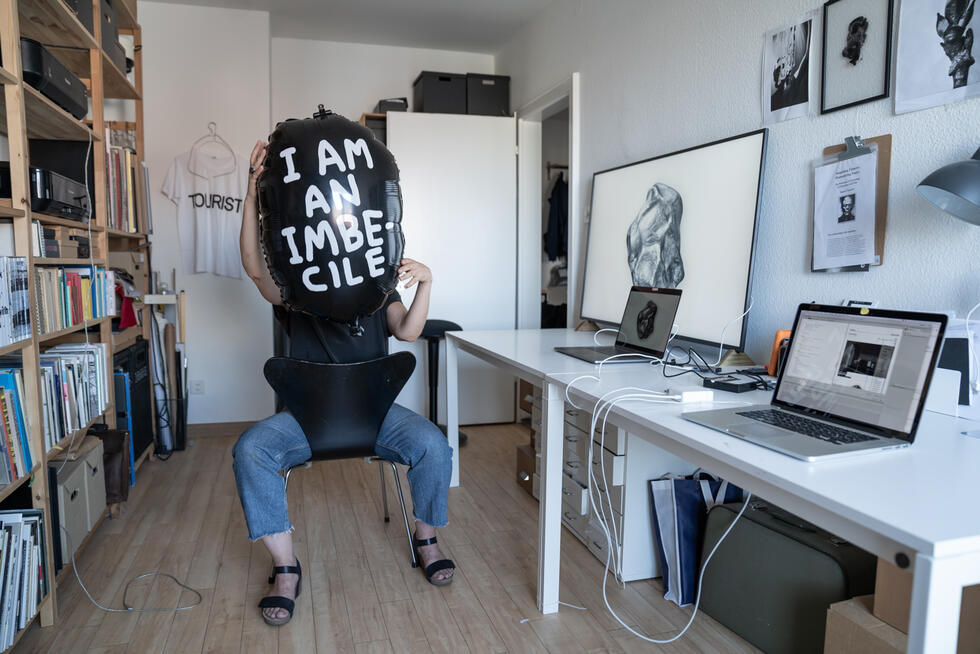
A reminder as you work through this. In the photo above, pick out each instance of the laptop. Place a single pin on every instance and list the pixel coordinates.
(854, 381)
(644, 330)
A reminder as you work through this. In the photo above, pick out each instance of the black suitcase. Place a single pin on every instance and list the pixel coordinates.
(773, 578)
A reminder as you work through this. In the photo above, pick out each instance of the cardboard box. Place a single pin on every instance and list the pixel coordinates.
(525, 467)
(893, 602)
(853, 629)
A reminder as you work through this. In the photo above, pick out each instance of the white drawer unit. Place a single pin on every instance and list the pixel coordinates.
(574, 521)
(574, 494)
(614, 440)
(606, 463)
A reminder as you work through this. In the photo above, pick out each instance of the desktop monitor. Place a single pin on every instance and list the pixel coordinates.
(682, 220)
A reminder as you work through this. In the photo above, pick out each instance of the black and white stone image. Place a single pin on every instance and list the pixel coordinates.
(646, 319)
(653, 240)
(857, 34)
(957, 39)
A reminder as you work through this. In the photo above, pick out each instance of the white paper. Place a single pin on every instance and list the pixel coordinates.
(844, 212)
(787, 55)
(936, 55)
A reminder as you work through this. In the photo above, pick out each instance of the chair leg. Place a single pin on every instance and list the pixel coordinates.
(408, 530)
(384, 492)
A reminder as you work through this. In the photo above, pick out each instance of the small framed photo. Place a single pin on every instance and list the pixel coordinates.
(857, 44)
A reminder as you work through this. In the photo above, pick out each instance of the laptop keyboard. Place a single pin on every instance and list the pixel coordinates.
(807, 427)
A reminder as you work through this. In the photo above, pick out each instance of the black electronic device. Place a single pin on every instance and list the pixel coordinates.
(68, 158)
(134, 361)
(83, 11)
(44, 72)
(51, 193)
(731, 384)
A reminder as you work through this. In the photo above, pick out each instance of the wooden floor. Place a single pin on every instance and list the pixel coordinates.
(359, 592)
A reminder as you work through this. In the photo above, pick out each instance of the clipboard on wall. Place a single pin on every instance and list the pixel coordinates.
(884, 144)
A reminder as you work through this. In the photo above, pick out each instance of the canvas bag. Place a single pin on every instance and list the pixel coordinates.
(680, 507)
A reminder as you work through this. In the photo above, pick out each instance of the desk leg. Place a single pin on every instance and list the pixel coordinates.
(936, 592)
(452, 404)
(549, 518)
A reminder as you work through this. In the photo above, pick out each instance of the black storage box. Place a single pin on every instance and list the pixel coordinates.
(117, 53)
(110, 27)
(83, 11)
(44, 72)
(487, 95)
(440, 93)
(378, 126)
(391, 104)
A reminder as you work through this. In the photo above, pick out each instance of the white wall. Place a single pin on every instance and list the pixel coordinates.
(350, 78)
(203, 64)
(661, 76)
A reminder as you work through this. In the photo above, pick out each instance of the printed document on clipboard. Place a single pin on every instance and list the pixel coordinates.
(844, 204)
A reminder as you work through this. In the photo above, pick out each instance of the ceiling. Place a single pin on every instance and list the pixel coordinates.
(467, 25)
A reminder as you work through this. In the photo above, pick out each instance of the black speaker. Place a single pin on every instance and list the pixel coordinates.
(134, 360)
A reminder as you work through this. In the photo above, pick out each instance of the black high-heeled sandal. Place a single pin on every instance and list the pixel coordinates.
(435, 566)
(279, 602)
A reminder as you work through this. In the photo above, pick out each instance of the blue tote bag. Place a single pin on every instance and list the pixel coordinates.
(680, 510)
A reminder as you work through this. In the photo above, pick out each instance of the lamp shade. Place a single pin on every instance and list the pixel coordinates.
(956, 189)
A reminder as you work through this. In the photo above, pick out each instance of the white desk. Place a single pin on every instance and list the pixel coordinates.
(920, 501)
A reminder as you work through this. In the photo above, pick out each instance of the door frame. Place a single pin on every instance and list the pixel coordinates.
(529, 165)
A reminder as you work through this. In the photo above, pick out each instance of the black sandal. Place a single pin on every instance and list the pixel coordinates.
(435, 566)
(279, 602)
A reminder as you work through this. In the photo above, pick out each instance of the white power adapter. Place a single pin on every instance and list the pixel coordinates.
(691, 394)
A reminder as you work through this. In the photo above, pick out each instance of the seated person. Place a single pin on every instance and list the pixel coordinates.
(278, 443)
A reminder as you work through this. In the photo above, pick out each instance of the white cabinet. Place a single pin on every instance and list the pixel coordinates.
(629, 463)
(459, 195)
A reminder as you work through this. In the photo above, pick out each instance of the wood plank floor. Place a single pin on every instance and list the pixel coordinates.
(360, 593)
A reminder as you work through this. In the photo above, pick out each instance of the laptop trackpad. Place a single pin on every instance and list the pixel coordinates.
(759, 430)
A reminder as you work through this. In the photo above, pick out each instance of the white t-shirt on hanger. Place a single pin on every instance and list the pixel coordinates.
(208, 186)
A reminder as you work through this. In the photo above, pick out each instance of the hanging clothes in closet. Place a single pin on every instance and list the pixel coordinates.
(208, 184)
(556, 237)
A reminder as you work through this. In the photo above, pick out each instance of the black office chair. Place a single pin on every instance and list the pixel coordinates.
(433, 332)
(340, 408)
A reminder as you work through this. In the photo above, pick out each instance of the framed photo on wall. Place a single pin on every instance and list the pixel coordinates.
(857, 44)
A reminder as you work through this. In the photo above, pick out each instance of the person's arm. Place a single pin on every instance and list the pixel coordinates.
(252, 259)
(406, 324)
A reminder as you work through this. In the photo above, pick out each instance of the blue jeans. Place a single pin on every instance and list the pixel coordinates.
(277, 443)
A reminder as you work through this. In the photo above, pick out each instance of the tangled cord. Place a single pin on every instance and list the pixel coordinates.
(128, 608)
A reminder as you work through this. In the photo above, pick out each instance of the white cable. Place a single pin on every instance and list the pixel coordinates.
(573, 606)
(130, 609)
(975, 364)
(595, 336)
(721, 341)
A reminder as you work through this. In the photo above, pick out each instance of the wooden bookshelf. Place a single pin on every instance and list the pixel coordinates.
(25, 114)
(15, 347)
(118, 233)
(65, 442)
(51, 22)
(46, 120)
(50, 336)
(17, 483)
(125, 338)
(45, 219)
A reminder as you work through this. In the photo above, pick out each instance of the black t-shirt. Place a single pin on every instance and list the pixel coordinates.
(334, 343)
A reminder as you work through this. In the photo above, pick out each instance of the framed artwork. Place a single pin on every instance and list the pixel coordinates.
(787, 85)
(681, 220)
(936, 62)
(857, 44)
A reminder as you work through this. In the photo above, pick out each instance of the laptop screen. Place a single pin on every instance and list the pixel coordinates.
(648, 318)
(865, 366)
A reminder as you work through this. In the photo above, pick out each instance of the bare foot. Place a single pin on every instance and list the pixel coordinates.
(284, 586)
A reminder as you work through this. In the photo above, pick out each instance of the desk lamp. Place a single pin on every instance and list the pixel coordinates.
(956, 189)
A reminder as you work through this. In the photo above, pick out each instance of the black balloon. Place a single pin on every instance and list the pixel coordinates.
(330, 217)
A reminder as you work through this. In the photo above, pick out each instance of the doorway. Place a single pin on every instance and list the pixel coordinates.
(548, 173)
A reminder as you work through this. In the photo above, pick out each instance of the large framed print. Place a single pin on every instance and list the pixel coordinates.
(681, 220)
(857, 44)
(936, 58)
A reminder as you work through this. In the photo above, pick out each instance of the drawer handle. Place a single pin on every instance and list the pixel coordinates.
(566, 492)
(569, 515)
(95, 471)
(572, 464)
(598, 545)
(74, 494)
(571, 439)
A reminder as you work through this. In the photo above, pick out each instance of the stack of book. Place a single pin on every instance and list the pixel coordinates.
(125, 192)
(23, 570)
(15, 309)
(67, 296)
(16, 458)
(74, 388)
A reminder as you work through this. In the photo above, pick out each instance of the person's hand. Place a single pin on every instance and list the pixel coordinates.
(413, 272)
(255, 167)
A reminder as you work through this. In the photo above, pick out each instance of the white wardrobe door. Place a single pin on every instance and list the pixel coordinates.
(459, 194)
